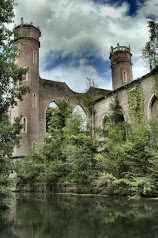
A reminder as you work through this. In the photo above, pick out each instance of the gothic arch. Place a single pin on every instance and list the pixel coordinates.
(105, 122)
(51, 104)
(153, 107)
(80, 110)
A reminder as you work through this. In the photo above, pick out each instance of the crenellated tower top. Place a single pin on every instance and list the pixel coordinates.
(120, 48)
(121, 66)
(27, 30)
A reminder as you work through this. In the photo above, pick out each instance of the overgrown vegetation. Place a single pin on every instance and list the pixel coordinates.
(128, 162)
(67, 156)
(150, 51)
(91, 94)
(136, 103)
(126, 165)
(11, 90)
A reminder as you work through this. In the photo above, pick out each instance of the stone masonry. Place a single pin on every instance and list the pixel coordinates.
(43, 92)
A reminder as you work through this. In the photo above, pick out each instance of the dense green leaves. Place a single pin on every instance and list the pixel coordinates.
(136, 103)
(150, 51)
(126, 163)
(11, 89)
(67, 156)
(132, 160)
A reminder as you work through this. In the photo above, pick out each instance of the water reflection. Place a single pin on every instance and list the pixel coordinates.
(79, 217)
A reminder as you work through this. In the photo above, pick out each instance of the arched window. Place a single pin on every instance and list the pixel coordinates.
(33, 145)
(78, 110)
(34, 105)
(105, 122)
(49, 113)
(24, 124)
(124, 76)
(34, 57)
(154, 107)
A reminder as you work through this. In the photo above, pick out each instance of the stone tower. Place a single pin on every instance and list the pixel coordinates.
(27, 41)
(42, 91)
(121, 66)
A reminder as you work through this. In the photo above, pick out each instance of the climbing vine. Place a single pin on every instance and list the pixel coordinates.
(136, 103)
(156, 86)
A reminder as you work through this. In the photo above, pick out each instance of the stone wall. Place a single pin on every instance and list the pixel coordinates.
(43, 92)
(101, 107)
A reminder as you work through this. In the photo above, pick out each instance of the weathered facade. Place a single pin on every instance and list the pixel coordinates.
(150, 101)
(43, 92)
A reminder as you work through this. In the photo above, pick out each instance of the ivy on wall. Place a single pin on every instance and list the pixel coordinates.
(136, 103)
(156, 86)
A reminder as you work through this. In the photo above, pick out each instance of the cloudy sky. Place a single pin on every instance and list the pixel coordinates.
(77, 36)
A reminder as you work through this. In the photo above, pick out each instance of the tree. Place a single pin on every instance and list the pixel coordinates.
(11, 89)
(129, 161)
(52, 152)
(91, 94)
(150, 50)
(67, 156)
(79, 149)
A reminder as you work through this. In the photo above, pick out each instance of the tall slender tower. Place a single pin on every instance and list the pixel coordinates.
(121, 66)
(27, 41)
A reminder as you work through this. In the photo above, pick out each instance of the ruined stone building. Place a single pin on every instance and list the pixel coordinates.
(43, 92)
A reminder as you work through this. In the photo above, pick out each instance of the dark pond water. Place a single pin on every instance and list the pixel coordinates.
(79, 217)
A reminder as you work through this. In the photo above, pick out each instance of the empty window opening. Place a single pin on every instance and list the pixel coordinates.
(24, 124)
(26, 76)
(34, 57)
(34, 105)
(49, 113)
(124, 76)
(79, 112)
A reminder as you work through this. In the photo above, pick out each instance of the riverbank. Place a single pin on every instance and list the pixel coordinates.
(75, 190)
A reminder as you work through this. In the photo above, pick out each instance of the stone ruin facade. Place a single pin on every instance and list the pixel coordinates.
(43, 92)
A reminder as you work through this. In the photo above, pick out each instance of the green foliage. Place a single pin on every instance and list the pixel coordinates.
(49, 114)
(91, 94)
(54, 138)
(136, 103)
(79, 152)
(132, 160)
(150, 51)
(29, 169)
(116, 115)
(11, 89)
(67, 156)
(127, 164)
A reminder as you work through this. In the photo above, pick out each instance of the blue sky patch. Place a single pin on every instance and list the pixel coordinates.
(134, 5)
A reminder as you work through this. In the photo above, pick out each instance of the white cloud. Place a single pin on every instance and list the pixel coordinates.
(139, 68)
(76, 78)
(114, 11)
(149, 8)
(71, 25)
(77, 26)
